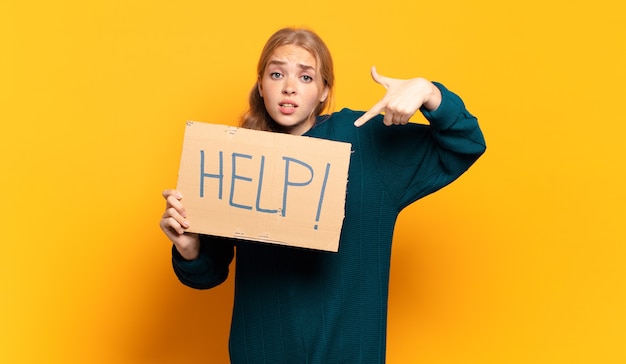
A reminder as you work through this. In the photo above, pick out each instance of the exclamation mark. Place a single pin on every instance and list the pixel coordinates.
(321, 201)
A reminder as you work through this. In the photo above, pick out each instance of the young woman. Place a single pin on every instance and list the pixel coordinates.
(303, 306)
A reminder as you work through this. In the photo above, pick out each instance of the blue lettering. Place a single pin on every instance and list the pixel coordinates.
(319, 205)
(258, 193)
(236, 177)
(204, 175)
(288, 183)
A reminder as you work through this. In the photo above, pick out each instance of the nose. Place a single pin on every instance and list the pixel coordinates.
(289, 87)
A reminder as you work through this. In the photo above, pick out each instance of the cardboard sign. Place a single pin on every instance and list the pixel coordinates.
(263, 186)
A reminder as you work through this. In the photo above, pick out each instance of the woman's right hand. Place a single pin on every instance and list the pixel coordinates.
(174, 224)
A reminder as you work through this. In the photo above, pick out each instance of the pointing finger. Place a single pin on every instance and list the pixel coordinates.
(375, 110)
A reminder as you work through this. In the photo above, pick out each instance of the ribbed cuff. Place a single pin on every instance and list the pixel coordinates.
(197, 265)
(448, 111)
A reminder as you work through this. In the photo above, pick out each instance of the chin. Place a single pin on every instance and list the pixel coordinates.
(288, 122)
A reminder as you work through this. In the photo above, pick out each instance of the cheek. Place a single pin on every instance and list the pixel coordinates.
(266, 93)
(314, 98)
(267, 103)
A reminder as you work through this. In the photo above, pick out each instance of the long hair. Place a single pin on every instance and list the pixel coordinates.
(257, 116)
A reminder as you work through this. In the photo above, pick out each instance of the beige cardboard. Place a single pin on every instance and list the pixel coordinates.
(262, 186)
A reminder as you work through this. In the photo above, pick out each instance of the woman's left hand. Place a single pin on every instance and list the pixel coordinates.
(402, 100)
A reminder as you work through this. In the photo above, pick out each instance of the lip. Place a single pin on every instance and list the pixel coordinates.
(287, 107)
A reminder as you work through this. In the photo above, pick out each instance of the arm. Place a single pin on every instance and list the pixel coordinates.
(454, 128)
(414, 159)
(209, 268)
(199, 261)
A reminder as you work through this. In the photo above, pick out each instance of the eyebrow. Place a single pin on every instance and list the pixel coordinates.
(282, 63)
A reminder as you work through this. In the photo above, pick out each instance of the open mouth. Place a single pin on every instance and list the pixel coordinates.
(287, 108)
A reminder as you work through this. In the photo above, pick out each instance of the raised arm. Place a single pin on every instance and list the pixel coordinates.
(417, 159)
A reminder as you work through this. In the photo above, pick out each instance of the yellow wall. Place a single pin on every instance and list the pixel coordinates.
(522, 260)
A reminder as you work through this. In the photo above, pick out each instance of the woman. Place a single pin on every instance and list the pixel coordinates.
(303, 306)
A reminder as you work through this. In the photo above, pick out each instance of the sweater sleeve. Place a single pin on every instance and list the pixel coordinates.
(415, 160)
(210, 268)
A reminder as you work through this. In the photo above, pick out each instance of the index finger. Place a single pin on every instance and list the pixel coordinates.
(369, 114)
(172, 199)
(168, 193)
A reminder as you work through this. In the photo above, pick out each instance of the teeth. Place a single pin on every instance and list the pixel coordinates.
(287, 105)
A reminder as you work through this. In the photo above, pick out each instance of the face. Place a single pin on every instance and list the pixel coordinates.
(292, 88)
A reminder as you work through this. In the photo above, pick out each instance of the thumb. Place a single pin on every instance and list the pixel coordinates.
(381, 80)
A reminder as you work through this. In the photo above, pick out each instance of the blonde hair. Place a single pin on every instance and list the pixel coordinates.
(257, 117)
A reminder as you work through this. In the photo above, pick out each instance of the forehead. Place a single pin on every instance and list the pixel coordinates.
(292, 53)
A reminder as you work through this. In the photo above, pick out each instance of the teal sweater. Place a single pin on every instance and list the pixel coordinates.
(296, 306)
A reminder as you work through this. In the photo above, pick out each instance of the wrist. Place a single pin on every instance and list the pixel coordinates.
(434, 99)
(189, 252)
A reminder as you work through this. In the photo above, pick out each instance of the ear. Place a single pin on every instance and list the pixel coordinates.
(324, 95)
(258, 86)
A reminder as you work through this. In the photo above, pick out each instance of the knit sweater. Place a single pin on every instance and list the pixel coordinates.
(296, 305)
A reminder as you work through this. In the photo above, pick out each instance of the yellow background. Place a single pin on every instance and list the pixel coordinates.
(522, 260)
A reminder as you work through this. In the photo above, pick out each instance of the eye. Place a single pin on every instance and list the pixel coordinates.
(306, 78)
(275, 75)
